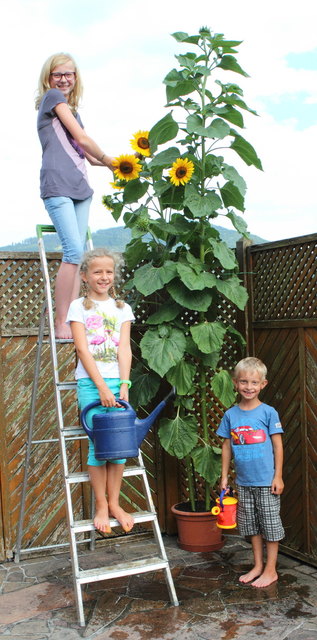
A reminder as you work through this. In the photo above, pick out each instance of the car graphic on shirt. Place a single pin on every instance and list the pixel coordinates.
(247, 435)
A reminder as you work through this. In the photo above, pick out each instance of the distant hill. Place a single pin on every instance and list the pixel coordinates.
(114, 239)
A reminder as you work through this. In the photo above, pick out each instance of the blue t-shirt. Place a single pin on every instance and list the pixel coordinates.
(250, 433)
(63, 171)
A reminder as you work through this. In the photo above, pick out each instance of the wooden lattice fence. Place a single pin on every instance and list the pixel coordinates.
(282, 320)
(21, 291)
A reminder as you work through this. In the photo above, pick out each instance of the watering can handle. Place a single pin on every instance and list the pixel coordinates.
(221, 497)
(97, 403)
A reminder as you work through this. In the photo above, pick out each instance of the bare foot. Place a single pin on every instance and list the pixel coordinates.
(126, 519)
(265, 580)
(101, 519)
(251, 575)
(63, 331)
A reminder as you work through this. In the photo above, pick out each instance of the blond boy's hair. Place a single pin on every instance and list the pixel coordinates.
(250, 364)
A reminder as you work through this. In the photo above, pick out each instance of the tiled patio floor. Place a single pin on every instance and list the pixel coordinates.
(37, 603)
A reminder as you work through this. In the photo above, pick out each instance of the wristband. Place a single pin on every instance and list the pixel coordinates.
(128, 382)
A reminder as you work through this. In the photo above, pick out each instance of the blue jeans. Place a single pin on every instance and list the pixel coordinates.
(70, 219)
(87, 392)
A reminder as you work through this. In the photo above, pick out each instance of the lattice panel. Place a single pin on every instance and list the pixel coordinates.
(284, 281)
(21, 289)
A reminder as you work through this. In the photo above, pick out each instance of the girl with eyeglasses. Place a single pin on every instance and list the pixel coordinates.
(63, 179)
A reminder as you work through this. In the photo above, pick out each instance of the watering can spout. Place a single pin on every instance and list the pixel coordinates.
(143, 426)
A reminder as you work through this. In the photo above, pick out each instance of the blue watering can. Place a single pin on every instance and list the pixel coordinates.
(118, 434)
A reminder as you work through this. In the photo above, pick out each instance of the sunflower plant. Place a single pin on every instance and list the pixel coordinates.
(170, 193)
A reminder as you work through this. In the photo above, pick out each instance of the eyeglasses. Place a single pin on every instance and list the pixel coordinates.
(68, 75)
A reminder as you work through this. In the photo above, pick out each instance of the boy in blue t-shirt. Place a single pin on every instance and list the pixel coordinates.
(252, 432)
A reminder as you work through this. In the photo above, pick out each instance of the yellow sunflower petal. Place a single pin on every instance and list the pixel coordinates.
(181, 171)
(126, 167)
(140, 143)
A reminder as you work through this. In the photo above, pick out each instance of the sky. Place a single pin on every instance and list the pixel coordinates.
(124, 50)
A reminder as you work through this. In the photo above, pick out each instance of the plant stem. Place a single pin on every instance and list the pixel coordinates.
(190, 482)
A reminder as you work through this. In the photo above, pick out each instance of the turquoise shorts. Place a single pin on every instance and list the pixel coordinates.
(87, 392)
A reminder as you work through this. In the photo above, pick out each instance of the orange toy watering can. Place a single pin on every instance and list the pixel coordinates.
(226, 511)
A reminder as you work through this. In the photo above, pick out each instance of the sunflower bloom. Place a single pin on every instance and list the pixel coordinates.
(116, 185)
(107, 202)
(140, 143)
(181, 171)
(126, 167)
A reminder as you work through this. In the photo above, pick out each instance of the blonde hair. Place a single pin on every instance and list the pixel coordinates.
(44, 80)
(102, 252)
(250, 364)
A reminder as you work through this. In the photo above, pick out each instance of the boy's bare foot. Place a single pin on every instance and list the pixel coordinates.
(63, 331)
(126, 519)
(265, 580)
(251, 575)
(101, 520)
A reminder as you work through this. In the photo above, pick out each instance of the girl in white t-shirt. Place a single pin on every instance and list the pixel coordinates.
(100, 326)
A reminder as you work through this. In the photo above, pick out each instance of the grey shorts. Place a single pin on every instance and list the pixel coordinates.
(259, 513)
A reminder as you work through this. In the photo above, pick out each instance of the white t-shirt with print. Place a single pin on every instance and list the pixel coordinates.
(102, 324)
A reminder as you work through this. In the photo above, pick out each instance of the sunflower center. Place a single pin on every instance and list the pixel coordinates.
(181, 172)
(143, 143)
(126, 167)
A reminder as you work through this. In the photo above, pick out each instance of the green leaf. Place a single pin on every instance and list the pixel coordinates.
(223, 388)
(179, 436)
(233, 115)
(182, 36)
(208, 359)
(163, 348)
(145, 385)
(134, 190)
(231, 196)
(135, 252)
(207, 462)
(201, 206)
(163, 131)
(190, 278)
(195, 300)
(181, 376)
(209, 336)
(166, 313)
(229, 63)
(233, 290)
(181, 89)
(160, 186)
(230, 173)
(223, 253)
(245, 150)
(149, 278)
(165, 158)
(217, 129)
(239, 224)
(116, 211)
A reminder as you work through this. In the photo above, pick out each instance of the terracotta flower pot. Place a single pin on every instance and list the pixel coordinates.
(197, 530)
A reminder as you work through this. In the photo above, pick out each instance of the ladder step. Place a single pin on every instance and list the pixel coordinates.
(73, 432)
(82, 476)
(121, 569)
(87, 525)
(59, 341)
(65, 386)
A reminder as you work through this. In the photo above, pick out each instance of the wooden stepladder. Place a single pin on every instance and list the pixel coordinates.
(65, 434)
